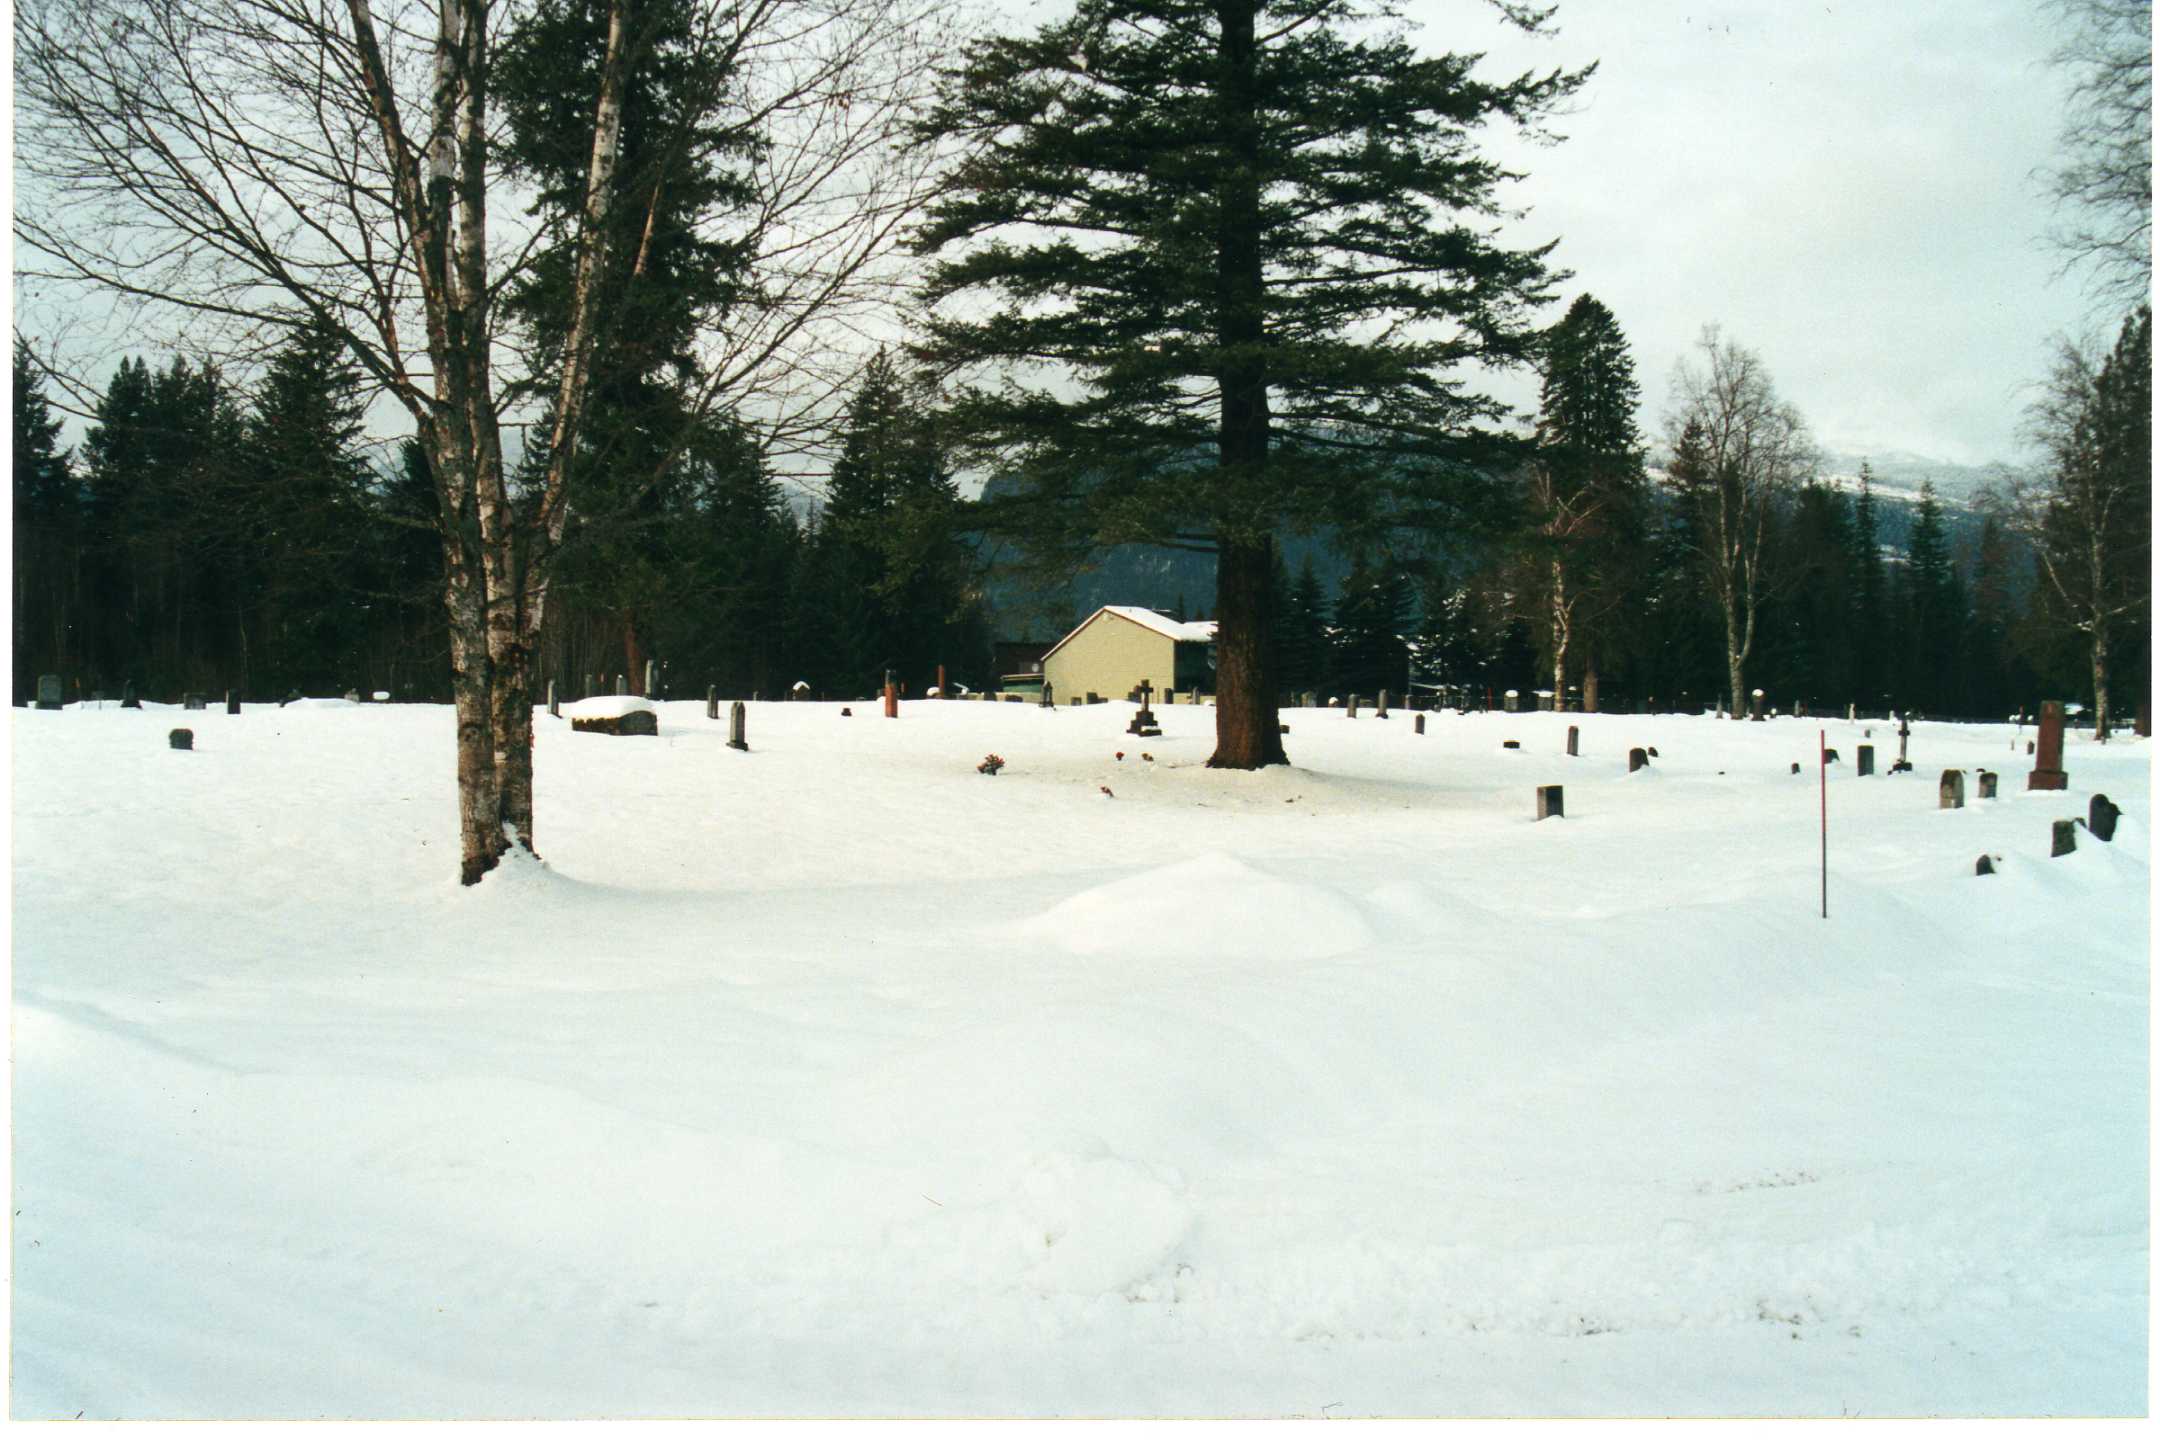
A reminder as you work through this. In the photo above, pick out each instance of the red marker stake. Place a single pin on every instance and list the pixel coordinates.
(1822, 771)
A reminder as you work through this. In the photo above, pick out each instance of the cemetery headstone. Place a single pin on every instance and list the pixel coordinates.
(1574, 736)
(622, 683)
(128, 698)
(1514, 701)
(1756, 713)
(1637, 759)
(193, 701)
(1351, 713)
(737, 724)
(49, 692)
(1864, 760)
(1093, 698)
(554, 703)
(588, 686)
(232, 703)
(1380, 710)
(1796, 767)
(1511, 745)
(2065, 839)
(1985, 865)
(1830, 756)
(1143, 720)
(634, 722)
(2047, 772)
(2100, 818)
(1419, 726)
(1950, 793)
(844, 710)
(652, 680)
(712, 702)
(1652, 752)
(1987, 785)
(181, 739)
(1549, 805)
(1852, 712)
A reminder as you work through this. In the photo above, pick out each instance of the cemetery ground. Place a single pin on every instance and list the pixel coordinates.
(836, 1077)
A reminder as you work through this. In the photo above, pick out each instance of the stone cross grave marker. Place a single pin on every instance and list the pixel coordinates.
(736, 722)
(1143, 720)
(1950, 793)
(2048, 772)
(193, 701)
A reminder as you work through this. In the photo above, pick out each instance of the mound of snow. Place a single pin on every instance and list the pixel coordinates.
(606, 706)
(1211, 906)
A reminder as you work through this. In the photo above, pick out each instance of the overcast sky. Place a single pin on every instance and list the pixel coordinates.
(1845, 188)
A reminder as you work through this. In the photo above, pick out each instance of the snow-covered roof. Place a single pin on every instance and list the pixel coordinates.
(1195, 630)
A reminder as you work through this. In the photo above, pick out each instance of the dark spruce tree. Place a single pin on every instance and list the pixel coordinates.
(1588, 491)
(1258, 234)
(48, 538)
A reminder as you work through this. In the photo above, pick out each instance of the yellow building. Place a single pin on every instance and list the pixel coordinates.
(1119, 646)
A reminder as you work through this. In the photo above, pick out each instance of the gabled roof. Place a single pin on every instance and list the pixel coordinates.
(1191, 630)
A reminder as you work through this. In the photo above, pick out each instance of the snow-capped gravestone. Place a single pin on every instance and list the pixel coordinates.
(1951, 792)
(2100, 818)
(48, 692)
(615, 715)
(2048, 772)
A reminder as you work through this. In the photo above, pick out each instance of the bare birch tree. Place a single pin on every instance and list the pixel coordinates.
(251, 167)
(2101, 181)
(1739, 452)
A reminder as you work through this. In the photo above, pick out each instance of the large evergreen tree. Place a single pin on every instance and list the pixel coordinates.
(1257, 233)
(47, 541)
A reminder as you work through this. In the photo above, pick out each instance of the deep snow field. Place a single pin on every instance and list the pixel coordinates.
(835, 1078)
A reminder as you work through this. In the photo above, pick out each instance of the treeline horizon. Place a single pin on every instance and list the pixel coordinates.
(204, 537)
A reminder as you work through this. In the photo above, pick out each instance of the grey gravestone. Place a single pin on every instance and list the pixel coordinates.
(48, 692)
(232, 703)
(1637, 759)
(2101, 817)
(622, 683)
(1514, 702)
(194, 702)
(128, 699)
(1548, 802)
(181, 739)
(1987, 785)
(712, 702)
(737, 716)
(588, 686)
(652, 680)
(1951, 792)
(1866, 760)
(554, 704)
(1985, 865)
(1574, 737)
(1380, 710)
(2065, 838)
(1352, 711)
(1308, 698)
(1852, 713)
(1418, 727)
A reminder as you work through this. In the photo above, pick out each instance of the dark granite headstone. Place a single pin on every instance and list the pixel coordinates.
(2047, 772)
(1651, 752)
(2100, 818)
(737, 719)
(128, 698)
(1985, 865)
(1418, 727)
(622, 683)
(1637, 759)
(1796, 767)
(181, 739)
(1549, 805)
(1864, 760)
(1351, 713)
(1380, 710)
(1049, 701)
(2065, 838)
(712, 702)
(554, 704)
(1830, 756)
(194, 701)
(1950, 792)
(49, 692)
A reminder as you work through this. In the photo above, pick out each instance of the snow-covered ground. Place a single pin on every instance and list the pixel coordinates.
(837, 1078)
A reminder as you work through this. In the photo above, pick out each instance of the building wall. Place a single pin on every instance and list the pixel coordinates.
(1110, 655)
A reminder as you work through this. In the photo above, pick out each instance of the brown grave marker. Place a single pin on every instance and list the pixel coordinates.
(2047, 772)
